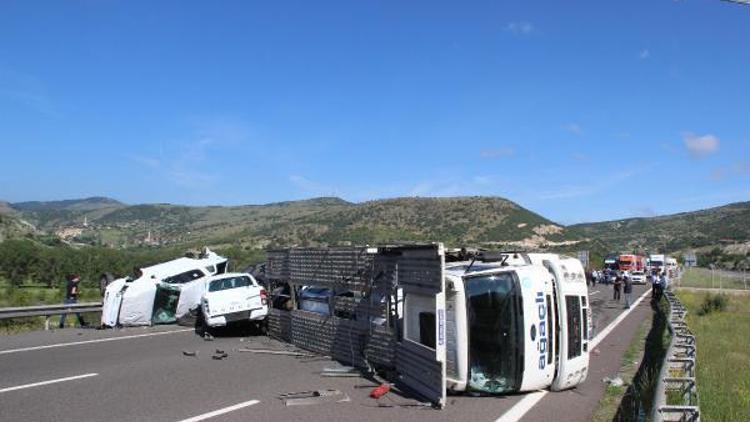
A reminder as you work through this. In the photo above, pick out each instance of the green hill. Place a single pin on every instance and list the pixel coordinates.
(12, 228)
(725, 224)
(480, 221)
(465, 220)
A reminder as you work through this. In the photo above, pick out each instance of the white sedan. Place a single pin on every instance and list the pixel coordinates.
(233, 297)
(638, 277)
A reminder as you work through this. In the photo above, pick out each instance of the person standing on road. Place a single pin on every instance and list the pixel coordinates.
(664, 281)
(72, 291)
(627, 288)
(658, 287)
(616, 286)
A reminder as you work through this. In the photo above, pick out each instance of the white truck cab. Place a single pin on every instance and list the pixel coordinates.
(515, 326)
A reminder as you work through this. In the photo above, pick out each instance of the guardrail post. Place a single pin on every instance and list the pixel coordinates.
(46, 323)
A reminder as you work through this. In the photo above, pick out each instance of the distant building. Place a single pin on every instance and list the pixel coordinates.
(689, 259)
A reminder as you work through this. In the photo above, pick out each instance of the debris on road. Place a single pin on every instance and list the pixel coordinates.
(380, 391)
(340, 371)
(313, 397)
(190, 353)
(277, 352)
(219, 355)
(207, 336)
(614, 382)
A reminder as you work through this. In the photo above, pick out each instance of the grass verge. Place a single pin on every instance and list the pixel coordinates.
(639, 370)
(22, 325)
(610, 403)
(702, 277)
(723, 356)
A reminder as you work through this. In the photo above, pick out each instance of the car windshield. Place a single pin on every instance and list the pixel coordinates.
(495, 340)
(229, 283)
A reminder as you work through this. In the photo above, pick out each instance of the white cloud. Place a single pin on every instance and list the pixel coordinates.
(520, 27)
(644, 54)
(497, 152)
(573, 128)
(701, 146)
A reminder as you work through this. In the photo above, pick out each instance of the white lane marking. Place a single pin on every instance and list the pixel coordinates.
(517, 412)
(39, 384)
(101, 340)
(599, 337)
(221, 411)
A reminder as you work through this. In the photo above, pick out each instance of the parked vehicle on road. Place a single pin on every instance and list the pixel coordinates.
(233, 297)
(656, 262)
(637, 277)
(610, 262)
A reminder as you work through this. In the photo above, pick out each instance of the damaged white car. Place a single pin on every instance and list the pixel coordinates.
(162, 293)
(233, 297)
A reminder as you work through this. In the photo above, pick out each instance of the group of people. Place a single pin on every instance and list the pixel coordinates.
(605, 276)
(659, 282)
(622, 283)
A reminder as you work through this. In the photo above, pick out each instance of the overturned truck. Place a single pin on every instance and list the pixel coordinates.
(506, 323)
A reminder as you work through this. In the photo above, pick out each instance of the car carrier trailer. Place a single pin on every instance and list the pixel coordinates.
(506, 323)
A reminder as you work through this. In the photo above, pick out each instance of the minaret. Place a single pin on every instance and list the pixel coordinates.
(85, 221)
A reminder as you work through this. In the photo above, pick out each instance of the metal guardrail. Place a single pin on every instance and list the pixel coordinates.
(676, 394)
(49, 310)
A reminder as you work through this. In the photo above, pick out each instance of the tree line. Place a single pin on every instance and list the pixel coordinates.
(25, 261)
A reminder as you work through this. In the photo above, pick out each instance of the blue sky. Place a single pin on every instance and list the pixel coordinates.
(580, 111)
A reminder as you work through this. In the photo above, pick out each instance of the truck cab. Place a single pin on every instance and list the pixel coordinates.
(516, 326)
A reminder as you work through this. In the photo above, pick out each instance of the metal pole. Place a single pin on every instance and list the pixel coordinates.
(712, 277)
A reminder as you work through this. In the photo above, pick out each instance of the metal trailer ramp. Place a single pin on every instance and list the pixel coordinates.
(374, 328)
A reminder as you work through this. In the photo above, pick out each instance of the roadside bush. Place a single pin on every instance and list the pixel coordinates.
(713, 303)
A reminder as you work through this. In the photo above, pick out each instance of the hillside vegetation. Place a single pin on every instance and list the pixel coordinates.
(726, 224)
(13, 228)
(464, 220)
(490, 222)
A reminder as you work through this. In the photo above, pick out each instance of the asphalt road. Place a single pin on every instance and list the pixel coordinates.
(141, 374)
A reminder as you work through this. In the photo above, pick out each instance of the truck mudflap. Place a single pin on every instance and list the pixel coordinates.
(421, 348)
